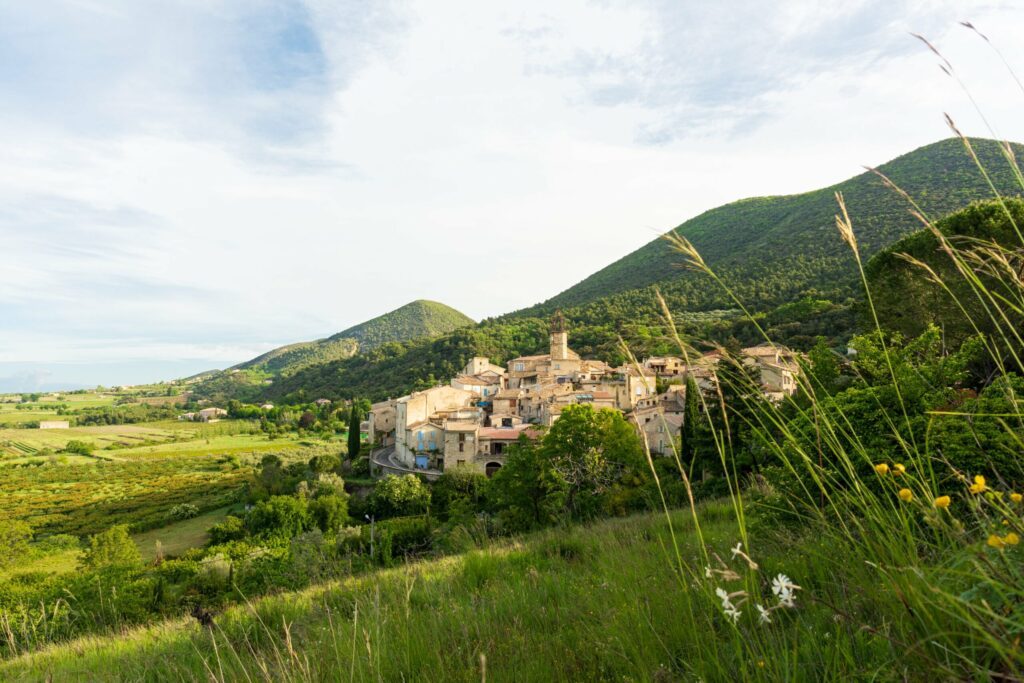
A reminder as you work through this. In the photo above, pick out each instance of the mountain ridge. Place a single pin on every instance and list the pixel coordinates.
(766, 225)
(419, 318)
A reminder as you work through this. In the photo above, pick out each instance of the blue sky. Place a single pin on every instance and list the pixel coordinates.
(187, 184)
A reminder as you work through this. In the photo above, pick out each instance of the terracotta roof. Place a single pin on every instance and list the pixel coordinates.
(508, 394)
(673, 421)
(470, 380)
(508, 433)
(460, 426)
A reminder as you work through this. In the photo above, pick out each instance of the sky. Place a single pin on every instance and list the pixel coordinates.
(186, 184)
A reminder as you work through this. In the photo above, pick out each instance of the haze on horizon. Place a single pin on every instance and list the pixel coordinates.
(185, 186)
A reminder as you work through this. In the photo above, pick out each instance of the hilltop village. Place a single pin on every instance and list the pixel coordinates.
(486, 408)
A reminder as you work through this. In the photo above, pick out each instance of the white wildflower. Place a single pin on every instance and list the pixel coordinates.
(738, 550)
(723, 595)
(707, 572)
(764, 614)
(733, 613)
(783, 583)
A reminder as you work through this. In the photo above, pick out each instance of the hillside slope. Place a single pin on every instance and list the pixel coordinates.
(908, 302)
(590, 603)
(774, 249)
(417, 319)
(420, 318)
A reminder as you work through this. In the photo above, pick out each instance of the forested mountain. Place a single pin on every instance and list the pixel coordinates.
(908, 298)
(417, 319)
(778, 249)
(782, 255)
(420, 318)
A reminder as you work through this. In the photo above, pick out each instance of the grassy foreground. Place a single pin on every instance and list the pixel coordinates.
(587, 603)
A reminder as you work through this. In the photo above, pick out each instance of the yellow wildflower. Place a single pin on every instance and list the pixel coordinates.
(906, 495)
(979, 484)
(1011, 539)
(996, 542)
(942, 502)
(1016, 497)
(898, 468)
(882, 468)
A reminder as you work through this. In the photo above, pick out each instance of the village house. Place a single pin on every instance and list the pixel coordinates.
(660, 418)
(420, 421)
(204, 415)
(211, 414)
(665, 366)
(779, 369)
(381, 423)
(661, 432)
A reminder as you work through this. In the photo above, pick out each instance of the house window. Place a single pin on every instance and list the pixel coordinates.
(520, 367)
(462, 447)
(460, 463)
(506, 422)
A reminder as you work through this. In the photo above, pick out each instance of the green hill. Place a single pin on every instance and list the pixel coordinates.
(420, 318)
(417, 319)
(779, 249)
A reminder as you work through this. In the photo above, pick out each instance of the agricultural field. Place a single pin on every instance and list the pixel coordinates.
(174, 539)
(15, 413)
(87, 498)
(134, 475)
(177, 537)
(25, 443)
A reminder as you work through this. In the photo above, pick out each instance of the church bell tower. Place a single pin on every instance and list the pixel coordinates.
(559, 338)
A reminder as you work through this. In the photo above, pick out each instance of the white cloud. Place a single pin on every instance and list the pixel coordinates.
(207, 179)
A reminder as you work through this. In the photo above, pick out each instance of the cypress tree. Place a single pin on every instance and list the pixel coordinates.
(691, 417)
(354, 442)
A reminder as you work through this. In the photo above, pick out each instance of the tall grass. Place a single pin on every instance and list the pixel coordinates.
(935, 546)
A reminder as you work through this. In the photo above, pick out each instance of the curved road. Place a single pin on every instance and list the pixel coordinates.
(385, 460)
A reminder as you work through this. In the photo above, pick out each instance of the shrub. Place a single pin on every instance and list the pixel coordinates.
(329, 512)
(231, 529)
(397, 496)
(111, 548)
(321, 464)
(14, 538)
(79, 447)
(408, 534)
(279, 517)
(183, 511)
(328, 484)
